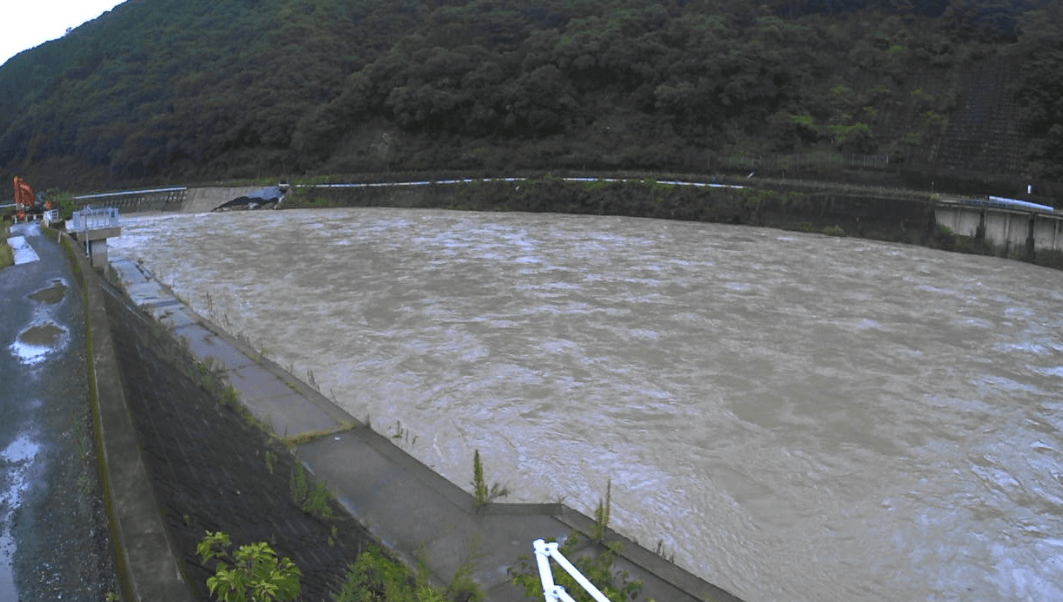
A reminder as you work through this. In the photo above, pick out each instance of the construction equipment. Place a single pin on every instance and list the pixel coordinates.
(27, 205)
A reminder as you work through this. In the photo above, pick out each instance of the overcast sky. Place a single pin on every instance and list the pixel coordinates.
(30, 23)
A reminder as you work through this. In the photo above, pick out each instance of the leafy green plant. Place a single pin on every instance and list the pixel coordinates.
(297, 484)
(312, 500)
(251, 574)
(376, 578)
(482, 494)
(7, 256)
(317, 502)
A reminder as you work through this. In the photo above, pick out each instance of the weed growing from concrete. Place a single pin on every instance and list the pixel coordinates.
(663, 553)
(375, 576)
(482, 495)
(312, 500)
(403, 434)
(297, 484)
(317, 503)
(601, 514)
(270, 459)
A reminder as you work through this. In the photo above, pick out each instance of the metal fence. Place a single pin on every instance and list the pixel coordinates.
(786, 161)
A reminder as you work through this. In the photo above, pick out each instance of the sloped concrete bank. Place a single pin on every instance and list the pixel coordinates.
(414, 512)
(146, 566)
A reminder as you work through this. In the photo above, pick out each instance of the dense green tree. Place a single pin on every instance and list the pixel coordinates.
(156, 89)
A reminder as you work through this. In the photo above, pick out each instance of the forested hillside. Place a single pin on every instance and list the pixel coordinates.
(175, 90)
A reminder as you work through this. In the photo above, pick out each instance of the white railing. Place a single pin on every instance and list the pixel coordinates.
(551, 591)
(94, 219)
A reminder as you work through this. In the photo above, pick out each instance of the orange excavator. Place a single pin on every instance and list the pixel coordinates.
(26, 205)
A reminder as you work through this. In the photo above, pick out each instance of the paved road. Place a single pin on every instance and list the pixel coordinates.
(54, 542)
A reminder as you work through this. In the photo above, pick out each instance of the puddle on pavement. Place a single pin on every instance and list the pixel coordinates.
(36, 342)
(23, 252)
(13, 461)
(52, 295)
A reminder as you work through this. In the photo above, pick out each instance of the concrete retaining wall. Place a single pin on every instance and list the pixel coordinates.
(1003, 228)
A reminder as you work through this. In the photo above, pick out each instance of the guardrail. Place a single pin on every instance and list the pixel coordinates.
(551, 591)
(149, 199)
(94, 219)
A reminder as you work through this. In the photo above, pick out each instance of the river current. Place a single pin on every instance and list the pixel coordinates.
(792, 416)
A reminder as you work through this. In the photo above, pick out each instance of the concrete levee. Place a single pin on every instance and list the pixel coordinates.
(144, 559)
(414, 512)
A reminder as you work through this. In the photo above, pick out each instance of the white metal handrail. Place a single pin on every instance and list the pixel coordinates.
(92, 219)
(551, 591)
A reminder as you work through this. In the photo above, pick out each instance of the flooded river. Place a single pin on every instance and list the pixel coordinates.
(792, 416)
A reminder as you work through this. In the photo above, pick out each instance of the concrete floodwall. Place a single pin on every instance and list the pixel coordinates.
(1003, 228)
(1048, 234)
(135, 201)
(180, 198)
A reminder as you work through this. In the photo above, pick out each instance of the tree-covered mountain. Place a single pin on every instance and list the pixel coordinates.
(169, 90)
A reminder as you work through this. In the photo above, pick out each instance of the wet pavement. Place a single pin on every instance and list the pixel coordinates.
(54, 541)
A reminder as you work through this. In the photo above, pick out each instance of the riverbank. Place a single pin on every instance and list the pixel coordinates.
(208, 474)
(894, 216)
(872, 212)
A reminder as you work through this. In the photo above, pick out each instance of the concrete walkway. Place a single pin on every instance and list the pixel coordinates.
(411, 509)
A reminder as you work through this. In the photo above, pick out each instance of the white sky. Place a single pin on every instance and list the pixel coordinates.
(30, 23)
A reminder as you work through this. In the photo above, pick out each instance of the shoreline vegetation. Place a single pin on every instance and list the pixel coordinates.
(863, 211)
(7, 256)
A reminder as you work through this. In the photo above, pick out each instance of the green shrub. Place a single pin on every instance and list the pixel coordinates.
(376, 578)
(252, 573)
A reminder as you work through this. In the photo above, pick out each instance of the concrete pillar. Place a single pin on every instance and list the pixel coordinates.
(1030, 253)
(98, 254)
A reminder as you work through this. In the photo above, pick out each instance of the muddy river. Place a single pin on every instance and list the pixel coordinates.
(791, 416)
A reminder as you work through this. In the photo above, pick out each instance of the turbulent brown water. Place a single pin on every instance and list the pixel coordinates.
(792, 416)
